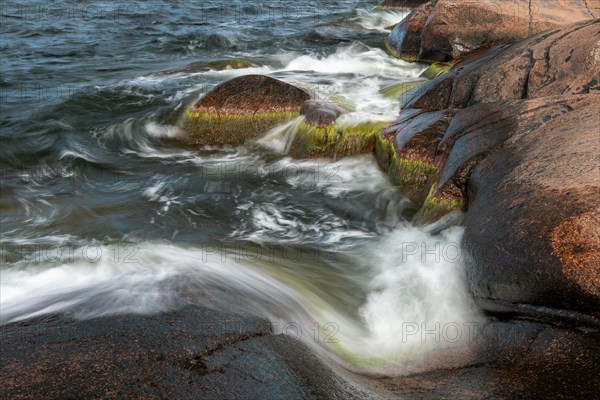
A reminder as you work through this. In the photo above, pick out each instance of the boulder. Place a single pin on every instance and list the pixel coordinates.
(320, 135)
(520, 153)
(241, 109)
(533, 224)
(444, 30)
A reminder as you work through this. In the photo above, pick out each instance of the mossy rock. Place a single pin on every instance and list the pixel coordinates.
(333, 141)
(243, 108)
(235, 63)
(435, 70)
(436, 207)
(413, 177)
(395, 90)
(359, 139)
(314, 142)
(384, 152)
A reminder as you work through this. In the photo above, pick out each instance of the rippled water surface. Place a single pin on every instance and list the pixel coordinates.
(101, 213)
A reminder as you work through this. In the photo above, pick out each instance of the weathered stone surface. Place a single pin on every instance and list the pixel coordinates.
(189, 353)
(405, 39)
(509, 359)
(241, 109)
(521, 153)
(529, 200)
(443, 30)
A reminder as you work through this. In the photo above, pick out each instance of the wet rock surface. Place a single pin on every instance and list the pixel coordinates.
(443, 30)
(319, 113)
(196, 352)
(521, 153)
(190, 353)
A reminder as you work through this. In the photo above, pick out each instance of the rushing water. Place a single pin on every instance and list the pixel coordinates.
(100, 214)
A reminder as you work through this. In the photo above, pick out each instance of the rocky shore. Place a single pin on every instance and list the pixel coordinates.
(506, 129)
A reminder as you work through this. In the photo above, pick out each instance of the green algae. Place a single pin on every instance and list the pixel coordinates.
(334, 141)
(359, 139)
(312, 142)
(395, 90)
(231, 129)
(413, 177)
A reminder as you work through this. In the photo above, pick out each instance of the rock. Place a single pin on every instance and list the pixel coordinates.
(412, 160)
(190, 353)
(509, 358)
(319, 135)
(444, 30)
(399, 4)
(235, 63)
(520, 153)
(319, 113)
(241, 109)
(404, 40)
(533, 218)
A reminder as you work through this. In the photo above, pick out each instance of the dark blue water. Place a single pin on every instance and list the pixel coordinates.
(101, 213)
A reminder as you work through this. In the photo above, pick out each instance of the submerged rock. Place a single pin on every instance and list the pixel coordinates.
(235, 63)
(443, 30)
(241, 109)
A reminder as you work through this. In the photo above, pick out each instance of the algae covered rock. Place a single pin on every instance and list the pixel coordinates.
(412, 146)
(320, 135)
(240, 109)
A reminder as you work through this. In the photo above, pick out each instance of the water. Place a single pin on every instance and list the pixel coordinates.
(101, 214)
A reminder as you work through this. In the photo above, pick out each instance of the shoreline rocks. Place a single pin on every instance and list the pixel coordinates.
(520, 154)
(445, 30)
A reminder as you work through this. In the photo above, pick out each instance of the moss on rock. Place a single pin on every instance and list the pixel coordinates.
(234, 130)
(334, 141)
(435, 207)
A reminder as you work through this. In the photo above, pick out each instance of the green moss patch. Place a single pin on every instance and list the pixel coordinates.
(436, 207)
(333, 141)
(220, 129)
